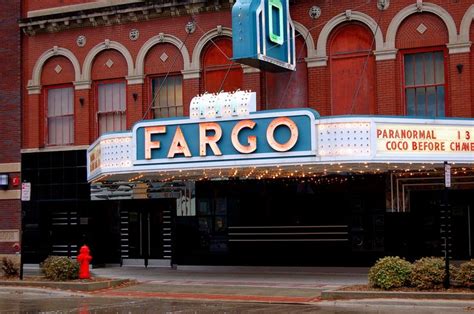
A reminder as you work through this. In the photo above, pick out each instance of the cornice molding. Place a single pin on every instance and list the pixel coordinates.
(125, 11)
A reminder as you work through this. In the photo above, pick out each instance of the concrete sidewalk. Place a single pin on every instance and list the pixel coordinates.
(263, 284)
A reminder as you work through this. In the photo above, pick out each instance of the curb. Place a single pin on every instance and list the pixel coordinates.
(77, 286)
(346, 295)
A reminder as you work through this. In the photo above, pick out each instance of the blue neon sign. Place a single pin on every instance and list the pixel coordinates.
(266, 135)
(263, 34)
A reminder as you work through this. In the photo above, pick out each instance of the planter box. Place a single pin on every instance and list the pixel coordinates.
(340, 294)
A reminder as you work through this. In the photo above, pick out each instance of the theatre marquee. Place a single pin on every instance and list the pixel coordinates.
(219, 144)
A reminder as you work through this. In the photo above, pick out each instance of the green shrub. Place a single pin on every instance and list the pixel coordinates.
(466, 274)
(60, 268)
(428, 273)
(390, 272)
(10, 268)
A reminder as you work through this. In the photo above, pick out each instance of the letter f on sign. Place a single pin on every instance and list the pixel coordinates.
(149, 144)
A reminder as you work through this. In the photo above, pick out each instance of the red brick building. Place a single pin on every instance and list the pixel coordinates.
(91, 67)
(10, 126)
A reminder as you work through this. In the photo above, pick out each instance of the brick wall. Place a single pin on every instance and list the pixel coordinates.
(10, 112)
(460, 94)
(10, 82)
(389, 96)
(471, 71)
(190, 89)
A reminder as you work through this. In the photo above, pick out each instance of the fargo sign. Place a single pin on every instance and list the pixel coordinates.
(259, 136)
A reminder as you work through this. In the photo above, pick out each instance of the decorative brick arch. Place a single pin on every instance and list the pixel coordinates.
(304, 32)
(160, 38)
(466, 25)
(348, 16)
(424, 7)
(107, 44)
(34, 85)
(202, 42)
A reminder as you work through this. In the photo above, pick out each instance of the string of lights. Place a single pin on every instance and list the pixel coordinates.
(308, 173)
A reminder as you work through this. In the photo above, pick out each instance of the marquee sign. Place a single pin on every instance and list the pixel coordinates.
(263, 34)
(395, 139)
(261, 137)
(422, 139)
(231, 136)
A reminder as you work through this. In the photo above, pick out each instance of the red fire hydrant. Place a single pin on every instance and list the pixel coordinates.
(84, 259)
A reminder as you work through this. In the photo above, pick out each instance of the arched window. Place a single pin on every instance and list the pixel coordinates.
(217, 68)
(423, 55)
(352, 72)
(289, 89)
(57, 76)
(165, 90)
(108, 73)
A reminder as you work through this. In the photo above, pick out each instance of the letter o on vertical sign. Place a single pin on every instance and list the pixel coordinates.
(271, 132)
(277, 7)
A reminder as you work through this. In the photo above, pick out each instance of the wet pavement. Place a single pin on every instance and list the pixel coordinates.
(37, 301)
(192, 289)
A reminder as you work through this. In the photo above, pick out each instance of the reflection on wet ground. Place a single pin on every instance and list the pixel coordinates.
(27, 304)
(44, 301)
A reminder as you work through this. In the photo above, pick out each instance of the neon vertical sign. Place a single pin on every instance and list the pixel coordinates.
(263, 34)
(275, 8)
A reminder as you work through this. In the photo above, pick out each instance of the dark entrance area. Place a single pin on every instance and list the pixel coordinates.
(147, 232)
(60, 217)
(417, 233)
(56, 219)
(332, 220)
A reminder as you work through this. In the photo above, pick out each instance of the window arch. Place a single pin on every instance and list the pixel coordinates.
(57, 70)
(217, 68)
(289, 89)
(435, 32)
(34, 83)
(352, 74)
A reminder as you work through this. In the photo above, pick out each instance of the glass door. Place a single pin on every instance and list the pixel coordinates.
(136, 226)
(148, 234)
